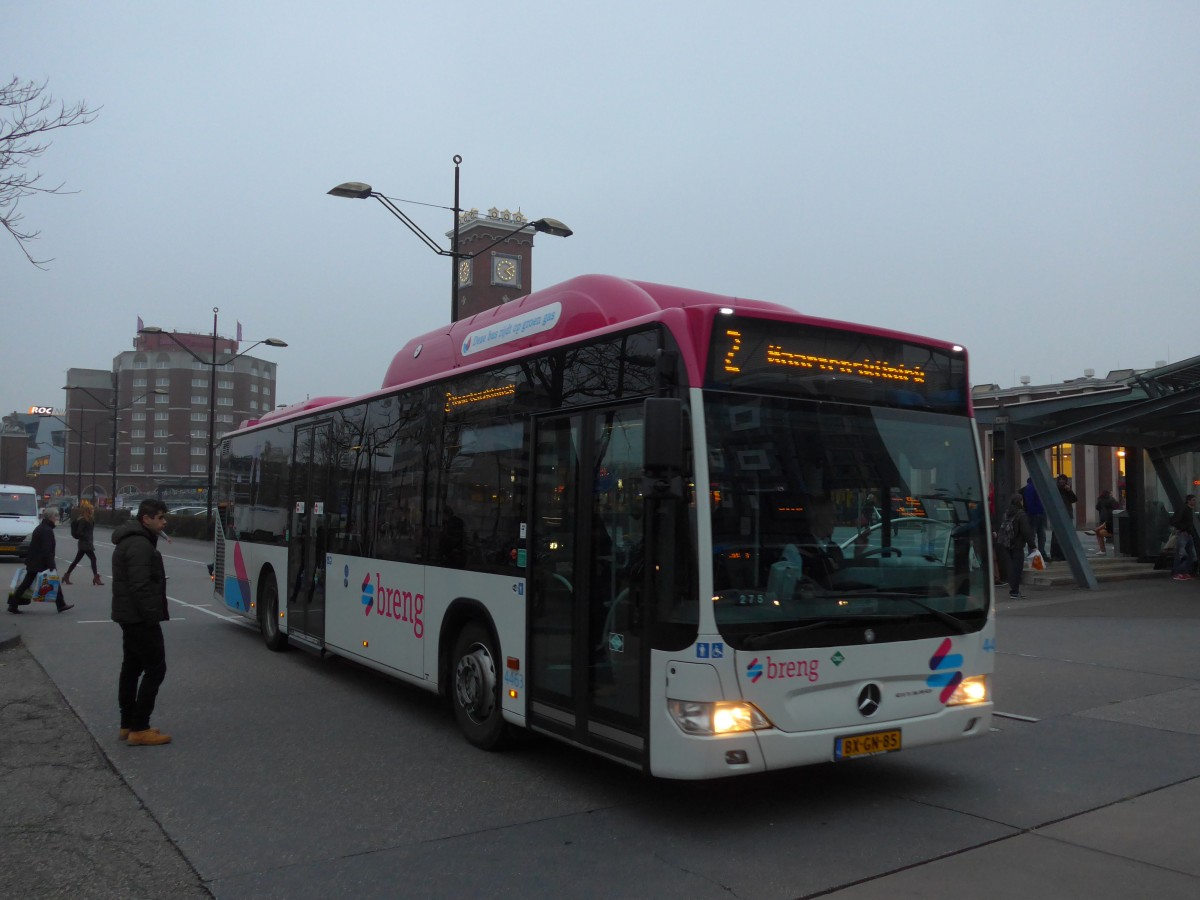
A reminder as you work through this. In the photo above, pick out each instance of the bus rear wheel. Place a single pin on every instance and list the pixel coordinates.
(476, 688)
(268, 615)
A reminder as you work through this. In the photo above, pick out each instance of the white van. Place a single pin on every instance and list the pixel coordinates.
(18, 517)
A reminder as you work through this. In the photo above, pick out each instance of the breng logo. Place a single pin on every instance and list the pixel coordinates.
(795, 668)
(394, 603)
(941, 661)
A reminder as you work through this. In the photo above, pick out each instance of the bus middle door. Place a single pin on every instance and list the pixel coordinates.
(587, 649)
(307, 543)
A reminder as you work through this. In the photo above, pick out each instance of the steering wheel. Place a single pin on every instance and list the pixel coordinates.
(879, 551)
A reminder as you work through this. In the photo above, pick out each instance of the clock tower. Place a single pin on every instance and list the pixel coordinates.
(499, 274)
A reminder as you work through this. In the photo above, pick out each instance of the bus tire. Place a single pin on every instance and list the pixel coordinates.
(475, 687)
(268, 615)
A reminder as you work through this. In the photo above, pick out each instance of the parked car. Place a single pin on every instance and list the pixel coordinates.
(188, 511)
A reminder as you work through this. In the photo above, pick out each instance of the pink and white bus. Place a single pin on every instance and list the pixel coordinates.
(696, 534)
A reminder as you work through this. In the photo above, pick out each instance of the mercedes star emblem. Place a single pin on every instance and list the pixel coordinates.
(868, 700)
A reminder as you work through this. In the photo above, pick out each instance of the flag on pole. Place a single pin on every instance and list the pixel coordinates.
(239, 337)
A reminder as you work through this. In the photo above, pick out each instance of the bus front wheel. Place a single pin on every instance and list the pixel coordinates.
(268, 615)
(476, 687)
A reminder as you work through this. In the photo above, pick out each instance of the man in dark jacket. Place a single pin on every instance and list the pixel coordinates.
(139, 605)
(1022, 536)
(40, 558)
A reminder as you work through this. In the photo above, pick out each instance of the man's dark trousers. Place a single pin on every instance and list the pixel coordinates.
(145, 659)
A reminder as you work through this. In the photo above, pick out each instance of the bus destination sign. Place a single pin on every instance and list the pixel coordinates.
(793, 358)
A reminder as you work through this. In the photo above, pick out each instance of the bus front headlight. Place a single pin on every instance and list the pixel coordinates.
(971, 690)
(720, 717)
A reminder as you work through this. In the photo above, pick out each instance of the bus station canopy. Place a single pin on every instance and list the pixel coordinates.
(1156, 410)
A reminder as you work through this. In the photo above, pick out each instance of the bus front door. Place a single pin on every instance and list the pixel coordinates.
(587, 654)
(306, 544)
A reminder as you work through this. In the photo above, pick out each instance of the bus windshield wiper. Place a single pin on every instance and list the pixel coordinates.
(761, 641)
(941, 615)
(944, 617)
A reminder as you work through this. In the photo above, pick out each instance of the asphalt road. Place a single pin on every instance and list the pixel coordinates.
(295, 776)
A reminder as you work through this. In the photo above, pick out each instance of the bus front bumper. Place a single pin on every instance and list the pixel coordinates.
(674, 754)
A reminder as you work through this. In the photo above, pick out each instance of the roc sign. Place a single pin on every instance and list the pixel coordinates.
(43, 411)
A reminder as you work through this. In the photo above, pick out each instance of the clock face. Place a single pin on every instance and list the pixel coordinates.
(464, 271)
(506, 270)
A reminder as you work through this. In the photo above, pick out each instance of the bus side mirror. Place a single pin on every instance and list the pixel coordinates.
(662, 449)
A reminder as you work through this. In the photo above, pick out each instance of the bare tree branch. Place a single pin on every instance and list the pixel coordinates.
(27, 115)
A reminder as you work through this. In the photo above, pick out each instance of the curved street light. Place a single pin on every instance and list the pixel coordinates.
(357, 190)
(212, 363)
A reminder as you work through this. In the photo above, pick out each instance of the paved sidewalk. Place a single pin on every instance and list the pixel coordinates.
(69, 824)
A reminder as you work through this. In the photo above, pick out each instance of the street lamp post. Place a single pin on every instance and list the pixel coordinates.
(95, 444)
(359, 191)
(212, 364)
(113, 409)
(79, 461)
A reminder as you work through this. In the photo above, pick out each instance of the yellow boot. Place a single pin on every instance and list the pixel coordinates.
(150, 737)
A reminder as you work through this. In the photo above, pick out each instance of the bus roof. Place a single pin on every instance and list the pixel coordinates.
(568, 312)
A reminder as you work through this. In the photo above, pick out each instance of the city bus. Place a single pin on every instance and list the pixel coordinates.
(695, 534)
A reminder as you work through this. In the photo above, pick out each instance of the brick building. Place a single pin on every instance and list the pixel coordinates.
(144, 426)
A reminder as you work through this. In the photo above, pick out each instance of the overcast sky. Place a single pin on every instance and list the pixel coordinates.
(1021, 178)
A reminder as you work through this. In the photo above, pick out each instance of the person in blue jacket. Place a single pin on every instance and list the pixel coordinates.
(1036, 513)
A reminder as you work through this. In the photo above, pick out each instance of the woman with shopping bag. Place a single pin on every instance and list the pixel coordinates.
(40, 559)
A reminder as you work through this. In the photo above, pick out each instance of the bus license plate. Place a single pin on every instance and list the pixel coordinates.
(8, 548)
(866, 744)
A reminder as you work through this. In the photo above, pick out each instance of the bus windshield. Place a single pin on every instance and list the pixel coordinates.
(838, 523)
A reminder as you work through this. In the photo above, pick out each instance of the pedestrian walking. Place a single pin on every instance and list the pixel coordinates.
(1014, 536)
(1063, 483)
(1184, 523)
(40, 558)
(1036, 512)
(139, 606)
(83, 527)
(1106, 504)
